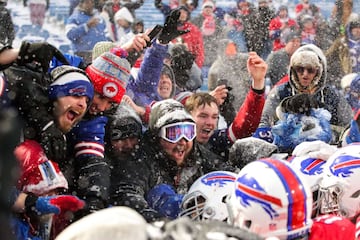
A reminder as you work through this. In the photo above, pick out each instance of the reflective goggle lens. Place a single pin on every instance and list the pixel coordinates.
(176, 131)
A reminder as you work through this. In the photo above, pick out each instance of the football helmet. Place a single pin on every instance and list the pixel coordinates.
(270, 199)
(206, 197)
(339, 187)
(311, 169)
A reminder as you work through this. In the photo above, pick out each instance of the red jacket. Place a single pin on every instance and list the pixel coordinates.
(275, 31)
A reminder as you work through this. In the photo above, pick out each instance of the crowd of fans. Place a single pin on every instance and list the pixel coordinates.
(116, 141)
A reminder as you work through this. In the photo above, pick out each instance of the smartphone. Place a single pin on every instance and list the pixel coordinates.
(156, 30)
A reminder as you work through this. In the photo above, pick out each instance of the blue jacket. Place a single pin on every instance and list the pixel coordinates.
(83, 38)
(143, 89)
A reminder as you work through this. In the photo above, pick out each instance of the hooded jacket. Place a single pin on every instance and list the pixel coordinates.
(328, 97)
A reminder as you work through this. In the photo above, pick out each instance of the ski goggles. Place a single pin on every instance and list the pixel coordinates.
(174, 132)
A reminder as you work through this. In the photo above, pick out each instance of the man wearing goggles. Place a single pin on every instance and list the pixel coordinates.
(165, 165)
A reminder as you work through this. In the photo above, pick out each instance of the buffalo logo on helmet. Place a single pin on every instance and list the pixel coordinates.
(249, 190)
(343, 165)
(217, 178)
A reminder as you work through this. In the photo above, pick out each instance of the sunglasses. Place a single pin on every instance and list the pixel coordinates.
(301, 70)
(176, 131)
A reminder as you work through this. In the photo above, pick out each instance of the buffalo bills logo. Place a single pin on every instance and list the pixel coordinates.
(80, 90)
(110, 89)
(312, 166)
(249, 190)
(217, 178)
(343, 165)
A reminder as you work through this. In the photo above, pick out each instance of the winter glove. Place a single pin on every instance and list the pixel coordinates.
(163, 199)
(314, 149)
(53, 141)
(299, 103)
(264, 133)
(73, 60)
(52, 204)
(94, 204)
(92, 130)
(40, 52)
(170, 30)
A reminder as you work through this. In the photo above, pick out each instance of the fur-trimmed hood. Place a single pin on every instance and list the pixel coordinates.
(304, 56)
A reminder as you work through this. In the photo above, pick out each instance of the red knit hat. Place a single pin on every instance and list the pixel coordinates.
(39, 175)
(109, 74)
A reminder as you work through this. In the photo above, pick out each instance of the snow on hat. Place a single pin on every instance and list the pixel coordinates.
(249, 149)
(290, 35)
(125, 223)
(39, 175)
(167, 111)
(69, 81)
(208, 3)
(109, 74)
(101, 47)
(347, 79)
(124, 13)
(125, 123)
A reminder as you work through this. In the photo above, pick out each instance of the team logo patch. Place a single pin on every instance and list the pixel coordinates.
(249, 190)
(110, 90)
(217, 178)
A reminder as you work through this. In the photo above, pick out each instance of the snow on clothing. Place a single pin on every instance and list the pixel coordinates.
(89, 172)
(7, 26)
(150, 166)
(83, 38)
(211, 30)
(234, 70)
(343, 56)
(143, 89)
(244, 124)
(276, 32)
(328, 97)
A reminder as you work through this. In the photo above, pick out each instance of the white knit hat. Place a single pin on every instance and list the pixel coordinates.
(124, 13)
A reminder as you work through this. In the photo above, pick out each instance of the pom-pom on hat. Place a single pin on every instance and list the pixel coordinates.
(39, 175)
(167, 111)
(69, 81)
(109, 74)
(101, 47)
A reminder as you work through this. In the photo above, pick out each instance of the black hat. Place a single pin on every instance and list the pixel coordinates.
(126, 128)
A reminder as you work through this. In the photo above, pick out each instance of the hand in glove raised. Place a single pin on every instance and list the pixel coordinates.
(52, 204)
(170, 30)
(40, 52)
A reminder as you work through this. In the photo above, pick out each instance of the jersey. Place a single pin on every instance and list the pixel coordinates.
(332, 227)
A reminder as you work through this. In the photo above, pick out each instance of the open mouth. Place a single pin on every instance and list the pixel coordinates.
(72, 115)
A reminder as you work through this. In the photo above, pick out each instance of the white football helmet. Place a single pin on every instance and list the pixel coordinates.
(311, 169)
(339, 188)
(206, 197)
(270, 199)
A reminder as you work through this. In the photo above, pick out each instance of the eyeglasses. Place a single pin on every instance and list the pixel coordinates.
(176, 131)
(301, 70)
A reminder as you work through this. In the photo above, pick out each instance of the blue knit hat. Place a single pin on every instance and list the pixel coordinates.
(70, 81)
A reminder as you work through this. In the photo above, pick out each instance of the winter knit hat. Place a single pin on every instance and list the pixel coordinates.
(39, 175)
(124, 13)
(109, 74)
(124, 123)
(167, 111)
(70, 81)
(102, 47)
(208, 3)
